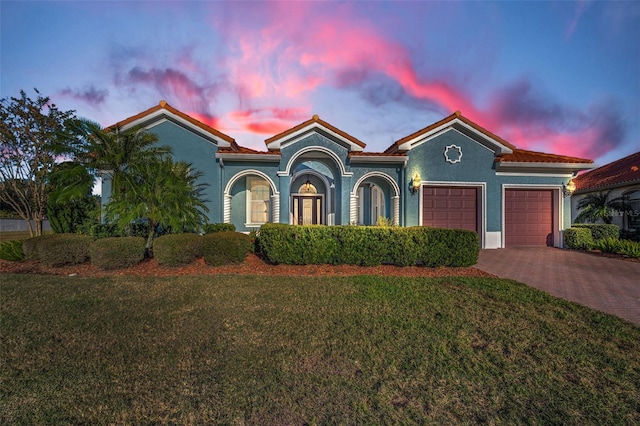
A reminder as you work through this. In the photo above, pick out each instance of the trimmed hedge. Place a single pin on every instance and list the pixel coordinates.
(12, 250)
(211, 228)
(600, 231)
(117, 252)
(578, 238)
(177, 249)
(224, 248)
(58, 249)
(368, 245)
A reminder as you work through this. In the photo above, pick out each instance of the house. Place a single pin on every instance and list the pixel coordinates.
(622, 179)
(452, 174)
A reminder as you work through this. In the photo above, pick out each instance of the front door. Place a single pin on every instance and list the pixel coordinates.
(307, 210)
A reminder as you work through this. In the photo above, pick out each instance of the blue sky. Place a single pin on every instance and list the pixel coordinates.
(557, 76)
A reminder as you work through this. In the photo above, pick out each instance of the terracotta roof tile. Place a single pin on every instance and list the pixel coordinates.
(625, 170)
(318, 120)
(524, 156)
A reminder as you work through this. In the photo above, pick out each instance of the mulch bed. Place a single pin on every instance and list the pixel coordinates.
(252, 265)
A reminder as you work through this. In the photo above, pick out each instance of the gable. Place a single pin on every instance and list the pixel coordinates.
(314, 125)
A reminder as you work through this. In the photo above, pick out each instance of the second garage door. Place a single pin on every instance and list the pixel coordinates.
(450, 207)
(528, 217)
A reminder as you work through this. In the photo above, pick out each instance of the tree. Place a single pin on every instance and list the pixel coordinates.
(32, 137)
(598, 206)
(163, 192)
(111, 152)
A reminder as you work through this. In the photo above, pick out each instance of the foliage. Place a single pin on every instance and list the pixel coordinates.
(578, 238)
(177, 249)
(57, 249)
(368, 246)
(71, 214)
(384, 221)
(12, 250)
(614, 245)
(630, 234)
(598, 206)
(164, 193)
(33, 132)
(210, 228)
(600, 230)
(224, 248)
(275, 350)
(117, 252)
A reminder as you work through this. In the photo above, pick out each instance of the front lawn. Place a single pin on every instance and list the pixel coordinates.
(292, 350)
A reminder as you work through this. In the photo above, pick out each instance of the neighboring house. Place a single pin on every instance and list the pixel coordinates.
(622, 178)
(452, 174)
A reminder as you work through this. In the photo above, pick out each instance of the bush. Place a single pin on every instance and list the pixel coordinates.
(117, 252)
(600, 231)
(12, 250)
(578, 238)
(368, 246)
(607, 245)
(633, 235)
(177, 249)
(630, 248)
(58, 249)
(211, 228)
(223, 248)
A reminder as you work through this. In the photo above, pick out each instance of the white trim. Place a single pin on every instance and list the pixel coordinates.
(325, 182)
(379, 159)
(313, 148)
(227, 196)
(559, 175)
(493, 240)
(294, 137)
(446, 154)
(539, 168)
(396, 189)
(498, 147)
(272, 158)
(557, 203)
(164, 112)
(249, 201)
(482, 199)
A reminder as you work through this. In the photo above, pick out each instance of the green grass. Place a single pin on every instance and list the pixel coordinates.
(276, 350)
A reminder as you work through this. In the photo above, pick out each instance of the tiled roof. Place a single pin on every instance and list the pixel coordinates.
(164, 105)
(523, 156)
(315, 119)
(623, 171)
(456, 115)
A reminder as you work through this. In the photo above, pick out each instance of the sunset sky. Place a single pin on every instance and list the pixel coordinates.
(556, 76)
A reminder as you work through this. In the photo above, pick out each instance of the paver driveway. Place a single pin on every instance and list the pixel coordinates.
(609, 285)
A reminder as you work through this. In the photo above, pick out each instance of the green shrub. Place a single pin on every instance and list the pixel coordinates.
(578, 238)
(177, 249)
(224, 248)
(368, 245)
(630, 248)
(630, 234)
(57, 249)
(211, 228)
(607, 245)
(600, 231)
(12, 250)
(117, 252)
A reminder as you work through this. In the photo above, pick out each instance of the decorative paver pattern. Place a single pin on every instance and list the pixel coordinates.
(602, 283)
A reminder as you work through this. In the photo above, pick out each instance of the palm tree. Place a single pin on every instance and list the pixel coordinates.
(598, 206)
(163, 192)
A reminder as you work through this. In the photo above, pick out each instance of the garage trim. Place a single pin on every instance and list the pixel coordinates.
(558, 209)
(482, 199)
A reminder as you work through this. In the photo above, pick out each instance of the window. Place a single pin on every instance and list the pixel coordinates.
(377, 204)
(257, 200)
(633, 211)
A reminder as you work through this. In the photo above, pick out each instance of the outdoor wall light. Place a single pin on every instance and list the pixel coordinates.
(569, 188)
(415, 183)
(307, 185)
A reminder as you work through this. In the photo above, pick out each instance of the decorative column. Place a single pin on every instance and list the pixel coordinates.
(396, 210)
(353, 210)
(227, 208)
(275, 208)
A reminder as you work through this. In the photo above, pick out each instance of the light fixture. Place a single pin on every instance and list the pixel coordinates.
(415, 183)
(307, 184)
(569, 188)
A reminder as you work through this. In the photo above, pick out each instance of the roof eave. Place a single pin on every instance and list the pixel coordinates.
(533, 167)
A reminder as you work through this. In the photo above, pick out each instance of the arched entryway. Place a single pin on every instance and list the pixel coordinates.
(375, 199)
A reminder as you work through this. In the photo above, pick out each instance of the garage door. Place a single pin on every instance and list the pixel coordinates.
(528, 217)
(450, 207)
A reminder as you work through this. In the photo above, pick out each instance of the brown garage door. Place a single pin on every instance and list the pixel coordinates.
(450, 207)
(528, 217)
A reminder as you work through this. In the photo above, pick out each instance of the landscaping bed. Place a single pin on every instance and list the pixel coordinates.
(252, 265)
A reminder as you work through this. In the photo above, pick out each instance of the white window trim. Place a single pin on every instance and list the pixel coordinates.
(249, 202)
